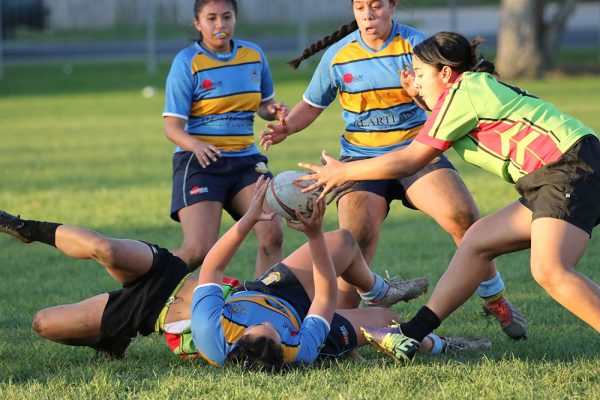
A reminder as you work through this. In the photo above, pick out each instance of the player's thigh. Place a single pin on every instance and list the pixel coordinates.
(362, 213)
(72, 321)
(200, 223)
(443, 195)
(502, 232)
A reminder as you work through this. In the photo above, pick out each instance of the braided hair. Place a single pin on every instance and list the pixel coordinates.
(324, 43)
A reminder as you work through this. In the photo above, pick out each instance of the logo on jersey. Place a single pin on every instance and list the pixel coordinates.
(254, 77)
(207, 84)
(261, 168)
(198, 190)
(271, 278)
(349, 78)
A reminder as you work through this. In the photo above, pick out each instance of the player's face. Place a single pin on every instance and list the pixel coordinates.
(216, 22)
(374, 19)
(430, 81)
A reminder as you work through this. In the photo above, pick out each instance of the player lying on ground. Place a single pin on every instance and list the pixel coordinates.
(157, 288)
(553, 158)
(289, 315)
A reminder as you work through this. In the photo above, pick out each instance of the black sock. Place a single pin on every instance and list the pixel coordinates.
(39, 231)
(421, 325)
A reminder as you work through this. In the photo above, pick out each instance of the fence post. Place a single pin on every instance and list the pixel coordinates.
(302, 35)
(151, 47)
(1, 44)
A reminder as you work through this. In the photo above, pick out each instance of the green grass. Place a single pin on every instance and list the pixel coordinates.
(85, 148)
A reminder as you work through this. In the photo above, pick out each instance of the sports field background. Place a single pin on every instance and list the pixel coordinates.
(81, 145)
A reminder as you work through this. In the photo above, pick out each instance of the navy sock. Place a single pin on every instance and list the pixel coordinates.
(44, 232)
(422, 324)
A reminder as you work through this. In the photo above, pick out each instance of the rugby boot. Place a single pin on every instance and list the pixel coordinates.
(456, 346)
(511, 320)
(400, 290)
(391, 341)
(10, 225)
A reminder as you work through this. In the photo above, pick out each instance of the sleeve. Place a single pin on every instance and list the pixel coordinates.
(207, 329)
(452, 118)
(321, 90)
(179, 89)
(267, 91)
(313, 332)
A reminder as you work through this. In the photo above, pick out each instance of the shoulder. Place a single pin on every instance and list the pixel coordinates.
(409, 33)
(341, 45)
(248, 45)
(187, 54)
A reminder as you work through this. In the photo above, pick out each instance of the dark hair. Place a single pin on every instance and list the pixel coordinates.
(260, 354)
(453, 50)
(199, 5)
(324, 43)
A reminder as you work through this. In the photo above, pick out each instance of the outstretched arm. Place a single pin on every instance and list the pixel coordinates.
(301, 116)
(271, 110)
(396, 164)
(324, 276)
(223, 251)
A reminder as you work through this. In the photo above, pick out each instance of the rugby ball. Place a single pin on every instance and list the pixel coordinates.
(284, 195)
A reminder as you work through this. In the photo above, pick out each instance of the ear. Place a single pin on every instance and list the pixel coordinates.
(197, 24)
(447, 74)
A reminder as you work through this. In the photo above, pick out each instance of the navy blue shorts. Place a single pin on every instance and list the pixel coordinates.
(395, 189)
(280, 282)
(567, 189)
(220, 181)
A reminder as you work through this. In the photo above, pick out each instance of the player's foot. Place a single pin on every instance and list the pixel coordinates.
(10, 225)
(465, 345)
(511, 320)
(391, 341)
(400, 290)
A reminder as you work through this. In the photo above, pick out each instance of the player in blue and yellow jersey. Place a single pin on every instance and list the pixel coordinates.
(213, 90)
(553, 159)
(288, 315)
(363, 66)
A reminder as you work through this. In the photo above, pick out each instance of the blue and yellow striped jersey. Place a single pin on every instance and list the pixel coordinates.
(380, 116)
(217, 324)
(218, 97)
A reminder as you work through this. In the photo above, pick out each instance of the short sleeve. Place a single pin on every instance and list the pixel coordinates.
(207, 329)
(321, 90)
(267, 90)
(313, 332)
(179, 89)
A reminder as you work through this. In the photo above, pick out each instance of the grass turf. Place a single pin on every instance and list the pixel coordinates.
(82, 146)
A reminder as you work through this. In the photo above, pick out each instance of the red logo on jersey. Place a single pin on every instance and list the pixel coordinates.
(348, 78)
(207, 84)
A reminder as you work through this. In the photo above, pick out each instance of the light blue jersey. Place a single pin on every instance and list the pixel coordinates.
(217, 324)
(219, 97)
(380, 116)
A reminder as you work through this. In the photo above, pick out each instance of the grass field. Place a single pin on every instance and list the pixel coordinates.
(83, 147)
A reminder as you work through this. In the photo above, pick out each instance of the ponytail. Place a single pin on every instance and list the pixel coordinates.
(324, 43)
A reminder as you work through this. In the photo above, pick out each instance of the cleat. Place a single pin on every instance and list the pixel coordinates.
(10, 225)
(400, 290)
(511, 320)
(391, 341)
(457, 346)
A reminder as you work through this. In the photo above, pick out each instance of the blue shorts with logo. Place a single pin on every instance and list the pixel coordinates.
(220, 181)
(395, 189)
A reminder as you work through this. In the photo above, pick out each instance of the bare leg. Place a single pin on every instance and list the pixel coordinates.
(443, 196)
(505, 231)
(123, 259)
(347, 259)
(269, 234)
(556, 247)
(72, 324)
(362, 213)
(200, 223)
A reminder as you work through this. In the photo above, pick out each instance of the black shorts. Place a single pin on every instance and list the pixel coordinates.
(568, 189)
(135, 307)
(280, 282)
(220, 181)
(395, 189)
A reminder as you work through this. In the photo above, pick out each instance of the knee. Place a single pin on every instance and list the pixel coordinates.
(460, 221)
(546, 274)
(270, 239)
(193, 256)
(41, 324)
(103, 251)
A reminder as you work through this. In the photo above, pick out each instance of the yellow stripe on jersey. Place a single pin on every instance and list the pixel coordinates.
(243, 55)
(263, 301)
(227, 143)
(380, 139)
(231, 330)
(353, 51)
(222, 105)
(374, 99)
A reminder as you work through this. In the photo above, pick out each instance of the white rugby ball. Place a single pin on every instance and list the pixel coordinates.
(285, 196)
